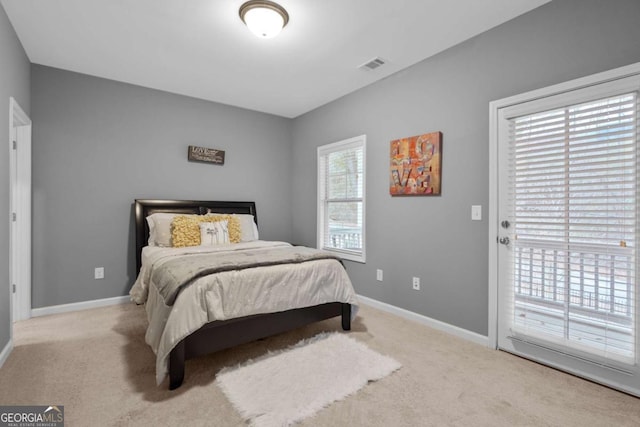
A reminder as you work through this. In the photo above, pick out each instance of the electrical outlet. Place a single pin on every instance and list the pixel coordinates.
(98, 273)
(416, 283)
(379, 275)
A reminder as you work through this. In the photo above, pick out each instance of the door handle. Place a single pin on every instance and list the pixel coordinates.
(504, 240)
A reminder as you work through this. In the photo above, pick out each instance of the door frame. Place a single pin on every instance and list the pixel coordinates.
(20, 203)
(494, 165)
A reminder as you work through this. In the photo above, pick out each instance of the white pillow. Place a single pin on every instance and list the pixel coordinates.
(256, 236)
(214, 233)
(160, 229)
(248, 227)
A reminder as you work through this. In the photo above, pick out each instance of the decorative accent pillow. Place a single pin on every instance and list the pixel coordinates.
(214, 233)
(185, 229)
(248, 227)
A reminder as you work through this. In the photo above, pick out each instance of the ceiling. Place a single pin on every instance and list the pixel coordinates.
(201, 48)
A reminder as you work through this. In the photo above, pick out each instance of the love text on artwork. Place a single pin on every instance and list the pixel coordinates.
(207, 155)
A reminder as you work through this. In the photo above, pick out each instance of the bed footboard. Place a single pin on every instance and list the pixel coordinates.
(220, 335)
(346, 317)
(176, 366)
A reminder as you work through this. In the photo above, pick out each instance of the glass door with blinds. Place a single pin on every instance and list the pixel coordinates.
(568, 258)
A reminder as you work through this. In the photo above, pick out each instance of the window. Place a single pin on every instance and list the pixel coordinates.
(341, 198)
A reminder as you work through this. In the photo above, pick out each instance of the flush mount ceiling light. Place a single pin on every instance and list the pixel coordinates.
(265, 19)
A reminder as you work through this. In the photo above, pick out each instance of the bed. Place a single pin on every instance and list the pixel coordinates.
(195, 322)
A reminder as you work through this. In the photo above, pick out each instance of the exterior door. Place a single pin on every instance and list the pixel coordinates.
(567, 292)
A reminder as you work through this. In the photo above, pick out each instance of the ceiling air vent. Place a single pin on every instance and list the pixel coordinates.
(372, 64)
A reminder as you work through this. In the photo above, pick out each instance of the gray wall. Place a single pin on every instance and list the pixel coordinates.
(100, 144)
(434, 237)
(14, 81)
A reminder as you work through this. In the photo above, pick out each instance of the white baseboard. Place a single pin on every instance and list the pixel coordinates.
(77, 306)
(433, 323)
(6, 351)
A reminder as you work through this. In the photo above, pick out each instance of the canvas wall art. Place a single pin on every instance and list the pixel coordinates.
(416, 164)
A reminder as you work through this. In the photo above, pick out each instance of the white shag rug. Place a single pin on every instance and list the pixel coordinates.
(285, 387)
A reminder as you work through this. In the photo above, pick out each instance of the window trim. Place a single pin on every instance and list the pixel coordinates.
(323, 150)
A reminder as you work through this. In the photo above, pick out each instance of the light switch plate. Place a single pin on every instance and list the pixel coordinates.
(476, 212)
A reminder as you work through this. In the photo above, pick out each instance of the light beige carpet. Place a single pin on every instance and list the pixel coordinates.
(97, 365)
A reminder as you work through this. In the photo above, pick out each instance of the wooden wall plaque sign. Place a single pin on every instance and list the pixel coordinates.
(207, 155)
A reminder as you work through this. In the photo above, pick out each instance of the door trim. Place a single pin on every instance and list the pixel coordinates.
(20, 191)
(494, 110)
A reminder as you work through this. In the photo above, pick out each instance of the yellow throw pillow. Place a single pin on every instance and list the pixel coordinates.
(185, 229)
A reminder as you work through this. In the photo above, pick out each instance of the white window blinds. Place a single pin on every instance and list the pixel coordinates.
(341, 201)
(574, 185)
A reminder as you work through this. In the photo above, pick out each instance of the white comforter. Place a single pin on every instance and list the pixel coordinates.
(232, 294)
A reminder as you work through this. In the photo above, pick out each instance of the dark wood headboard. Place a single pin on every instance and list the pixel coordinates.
(146, 207)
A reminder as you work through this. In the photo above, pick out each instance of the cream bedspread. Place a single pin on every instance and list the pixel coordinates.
(232, 294)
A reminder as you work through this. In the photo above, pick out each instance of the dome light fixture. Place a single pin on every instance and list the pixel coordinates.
(265, 19)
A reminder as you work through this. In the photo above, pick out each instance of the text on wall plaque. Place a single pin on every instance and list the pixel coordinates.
(204, 154)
